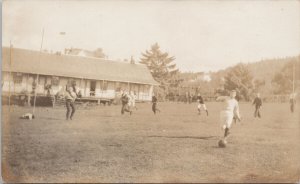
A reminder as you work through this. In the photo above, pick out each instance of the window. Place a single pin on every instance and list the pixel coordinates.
(17, 78)
(42, 80)
(55, 81)
(124, 86)
(71, 82)
(147, 88)
(104, 86)
(141, 88)
(118, 87)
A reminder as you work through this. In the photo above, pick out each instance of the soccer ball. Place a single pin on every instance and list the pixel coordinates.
(222, 143)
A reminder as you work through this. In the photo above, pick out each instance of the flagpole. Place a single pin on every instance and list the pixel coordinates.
(37, 77)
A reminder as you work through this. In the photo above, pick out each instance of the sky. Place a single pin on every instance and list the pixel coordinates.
(203, 35)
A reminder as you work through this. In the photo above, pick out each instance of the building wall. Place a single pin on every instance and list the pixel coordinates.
(110, 92)
(87, 88)
(104, 89)
(98, 89)
(5, 82)
(29, 82)
(24, 86)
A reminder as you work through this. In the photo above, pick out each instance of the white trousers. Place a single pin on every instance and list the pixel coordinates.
(202, 105)
(131, 103)
(226, 118)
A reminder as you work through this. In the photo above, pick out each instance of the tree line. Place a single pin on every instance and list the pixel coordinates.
(270, 77)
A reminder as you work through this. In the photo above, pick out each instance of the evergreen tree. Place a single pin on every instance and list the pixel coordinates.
(161, 66)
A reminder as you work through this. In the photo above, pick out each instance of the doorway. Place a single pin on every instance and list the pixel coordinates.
(93, 88)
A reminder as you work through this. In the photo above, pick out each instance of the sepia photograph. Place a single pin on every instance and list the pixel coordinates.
(150, 91)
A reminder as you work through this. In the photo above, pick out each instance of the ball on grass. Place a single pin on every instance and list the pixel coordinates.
(222, 143)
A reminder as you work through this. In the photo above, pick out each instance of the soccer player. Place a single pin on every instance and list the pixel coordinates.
(292, 102)
(154, 104)
(201, 104)
(132, 100)
(27, 116)
(229, 110)
(258, 103)
(125, 101)
(237, 97)
(70, 97)
(189, 97)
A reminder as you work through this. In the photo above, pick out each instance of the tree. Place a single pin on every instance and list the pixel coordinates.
(283, 80)
(239, 78)
(258, 84)
(161, 66)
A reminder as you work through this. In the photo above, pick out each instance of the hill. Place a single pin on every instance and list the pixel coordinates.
(263, 71)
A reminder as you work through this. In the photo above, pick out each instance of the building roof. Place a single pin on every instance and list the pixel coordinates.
(34, 62)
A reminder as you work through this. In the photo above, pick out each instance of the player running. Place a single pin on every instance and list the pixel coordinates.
(258, 103)
(201, 104)
(154, 104)
(125, 100)
(229, 110)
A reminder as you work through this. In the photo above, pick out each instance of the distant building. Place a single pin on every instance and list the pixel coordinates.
(98, 53)
(94, 78)
(194, 77)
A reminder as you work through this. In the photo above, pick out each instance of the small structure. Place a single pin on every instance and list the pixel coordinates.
(24, 71)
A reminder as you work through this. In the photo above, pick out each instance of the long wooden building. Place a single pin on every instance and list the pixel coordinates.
(26, 70)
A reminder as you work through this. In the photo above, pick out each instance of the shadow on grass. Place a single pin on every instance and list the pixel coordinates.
(50, 118)
(186, 137)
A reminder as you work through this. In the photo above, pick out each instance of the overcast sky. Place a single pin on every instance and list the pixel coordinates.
(202, 35)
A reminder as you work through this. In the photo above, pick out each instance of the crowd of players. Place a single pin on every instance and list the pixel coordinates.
(228, 114)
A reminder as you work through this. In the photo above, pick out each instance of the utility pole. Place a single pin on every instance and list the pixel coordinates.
(294, 78)
(10, 78)
(37, 77)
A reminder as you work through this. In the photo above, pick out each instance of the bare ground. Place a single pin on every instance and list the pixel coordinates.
(176, 145)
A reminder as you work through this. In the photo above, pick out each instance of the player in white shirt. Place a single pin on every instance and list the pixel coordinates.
(132, 99)
(229, 110)
(27, 116)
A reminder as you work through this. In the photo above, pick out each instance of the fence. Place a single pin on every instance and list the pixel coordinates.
(276, 98)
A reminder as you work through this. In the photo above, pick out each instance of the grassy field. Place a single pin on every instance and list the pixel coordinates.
(176, 145)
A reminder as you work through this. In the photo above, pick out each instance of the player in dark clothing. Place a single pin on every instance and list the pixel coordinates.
(154, 104)
(258, 103)
(70, 97)
(190, 97)
(292, 102)
(201, 104)
(125, 100)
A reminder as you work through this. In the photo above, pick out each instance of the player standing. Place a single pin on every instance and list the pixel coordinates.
(132, 100)
(237, 97)
(201, 104)
(70, 97)
(292, 102)
(229, 110)
(258, 103)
